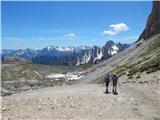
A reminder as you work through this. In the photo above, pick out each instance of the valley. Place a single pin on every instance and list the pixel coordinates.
(67, 83)
(22, 77)
(138, 96)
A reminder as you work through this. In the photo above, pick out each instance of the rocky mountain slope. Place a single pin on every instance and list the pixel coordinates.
(153, 22)
(67, 55)
(14, 60)
(141, 56)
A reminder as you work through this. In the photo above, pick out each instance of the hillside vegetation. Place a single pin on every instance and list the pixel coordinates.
(148, 61)
(86, 66)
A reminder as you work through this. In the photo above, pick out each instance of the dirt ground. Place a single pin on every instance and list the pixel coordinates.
(84, 102)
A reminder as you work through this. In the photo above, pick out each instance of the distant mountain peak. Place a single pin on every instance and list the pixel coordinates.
(68, 55)
(110, 42)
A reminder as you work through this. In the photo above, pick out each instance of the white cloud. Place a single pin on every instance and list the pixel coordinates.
(115, 29)
(120, 27)
(70, 35)
(109, 32)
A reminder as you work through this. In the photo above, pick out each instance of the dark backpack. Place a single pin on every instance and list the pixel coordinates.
(106, 77)
(115, 77)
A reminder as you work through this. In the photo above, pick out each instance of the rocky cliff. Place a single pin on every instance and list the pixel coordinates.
(153, 22)
(66, 55)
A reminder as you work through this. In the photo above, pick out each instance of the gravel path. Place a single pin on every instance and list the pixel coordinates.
(85, 102)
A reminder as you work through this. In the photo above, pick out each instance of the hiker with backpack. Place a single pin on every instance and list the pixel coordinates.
(106, 80)
(114, 80)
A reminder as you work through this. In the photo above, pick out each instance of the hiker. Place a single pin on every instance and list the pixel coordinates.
(114, 80)
(106, 80)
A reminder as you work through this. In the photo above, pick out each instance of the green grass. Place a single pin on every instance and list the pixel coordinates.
(151, 66)
(86, 66)
(152, 47)
(121, 70)
(155, 45)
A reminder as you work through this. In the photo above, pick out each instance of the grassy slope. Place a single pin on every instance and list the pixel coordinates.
(85, 66)
(148, 61)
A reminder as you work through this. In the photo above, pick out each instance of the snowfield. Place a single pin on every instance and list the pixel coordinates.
(115, 50)
(59, 75)
(67, 76)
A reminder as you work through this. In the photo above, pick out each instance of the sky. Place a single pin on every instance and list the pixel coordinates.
(71, 23)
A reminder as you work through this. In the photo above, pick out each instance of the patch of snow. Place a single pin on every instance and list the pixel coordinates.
(68, 76)
(109, 52)
(95, 59)
(114, 50)
(49, 48)
(57, 79)
(99, 55)
(78, 62)
(71, 76)
(82, 72)
(64, 48)
(20, 52)
(86, 57)
(59, 75)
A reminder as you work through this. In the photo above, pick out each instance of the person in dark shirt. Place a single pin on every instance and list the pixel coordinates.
(114, 80)
(106, 80)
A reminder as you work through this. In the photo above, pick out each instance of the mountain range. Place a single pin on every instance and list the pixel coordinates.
(81, 55)
(66, 55)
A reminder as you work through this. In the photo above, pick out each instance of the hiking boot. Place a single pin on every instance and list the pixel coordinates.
(106, 92)
(115, 93)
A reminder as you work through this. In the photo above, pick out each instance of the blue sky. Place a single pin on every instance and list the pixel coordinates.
(39, 24)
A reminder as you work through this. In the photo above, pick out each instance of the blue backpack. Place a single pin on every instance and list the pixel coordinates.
(106, 77)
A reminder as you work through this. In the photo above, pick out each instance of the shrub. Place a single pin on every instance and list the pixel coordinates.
(130, 76)
(138, 76)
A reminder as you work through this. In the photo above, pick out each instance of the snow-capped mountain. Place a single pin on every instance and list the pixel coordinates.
(68, 55)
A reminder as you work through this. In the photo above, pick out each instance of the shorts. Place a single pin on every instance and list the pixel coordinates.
(114, 82)
(107, 83)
